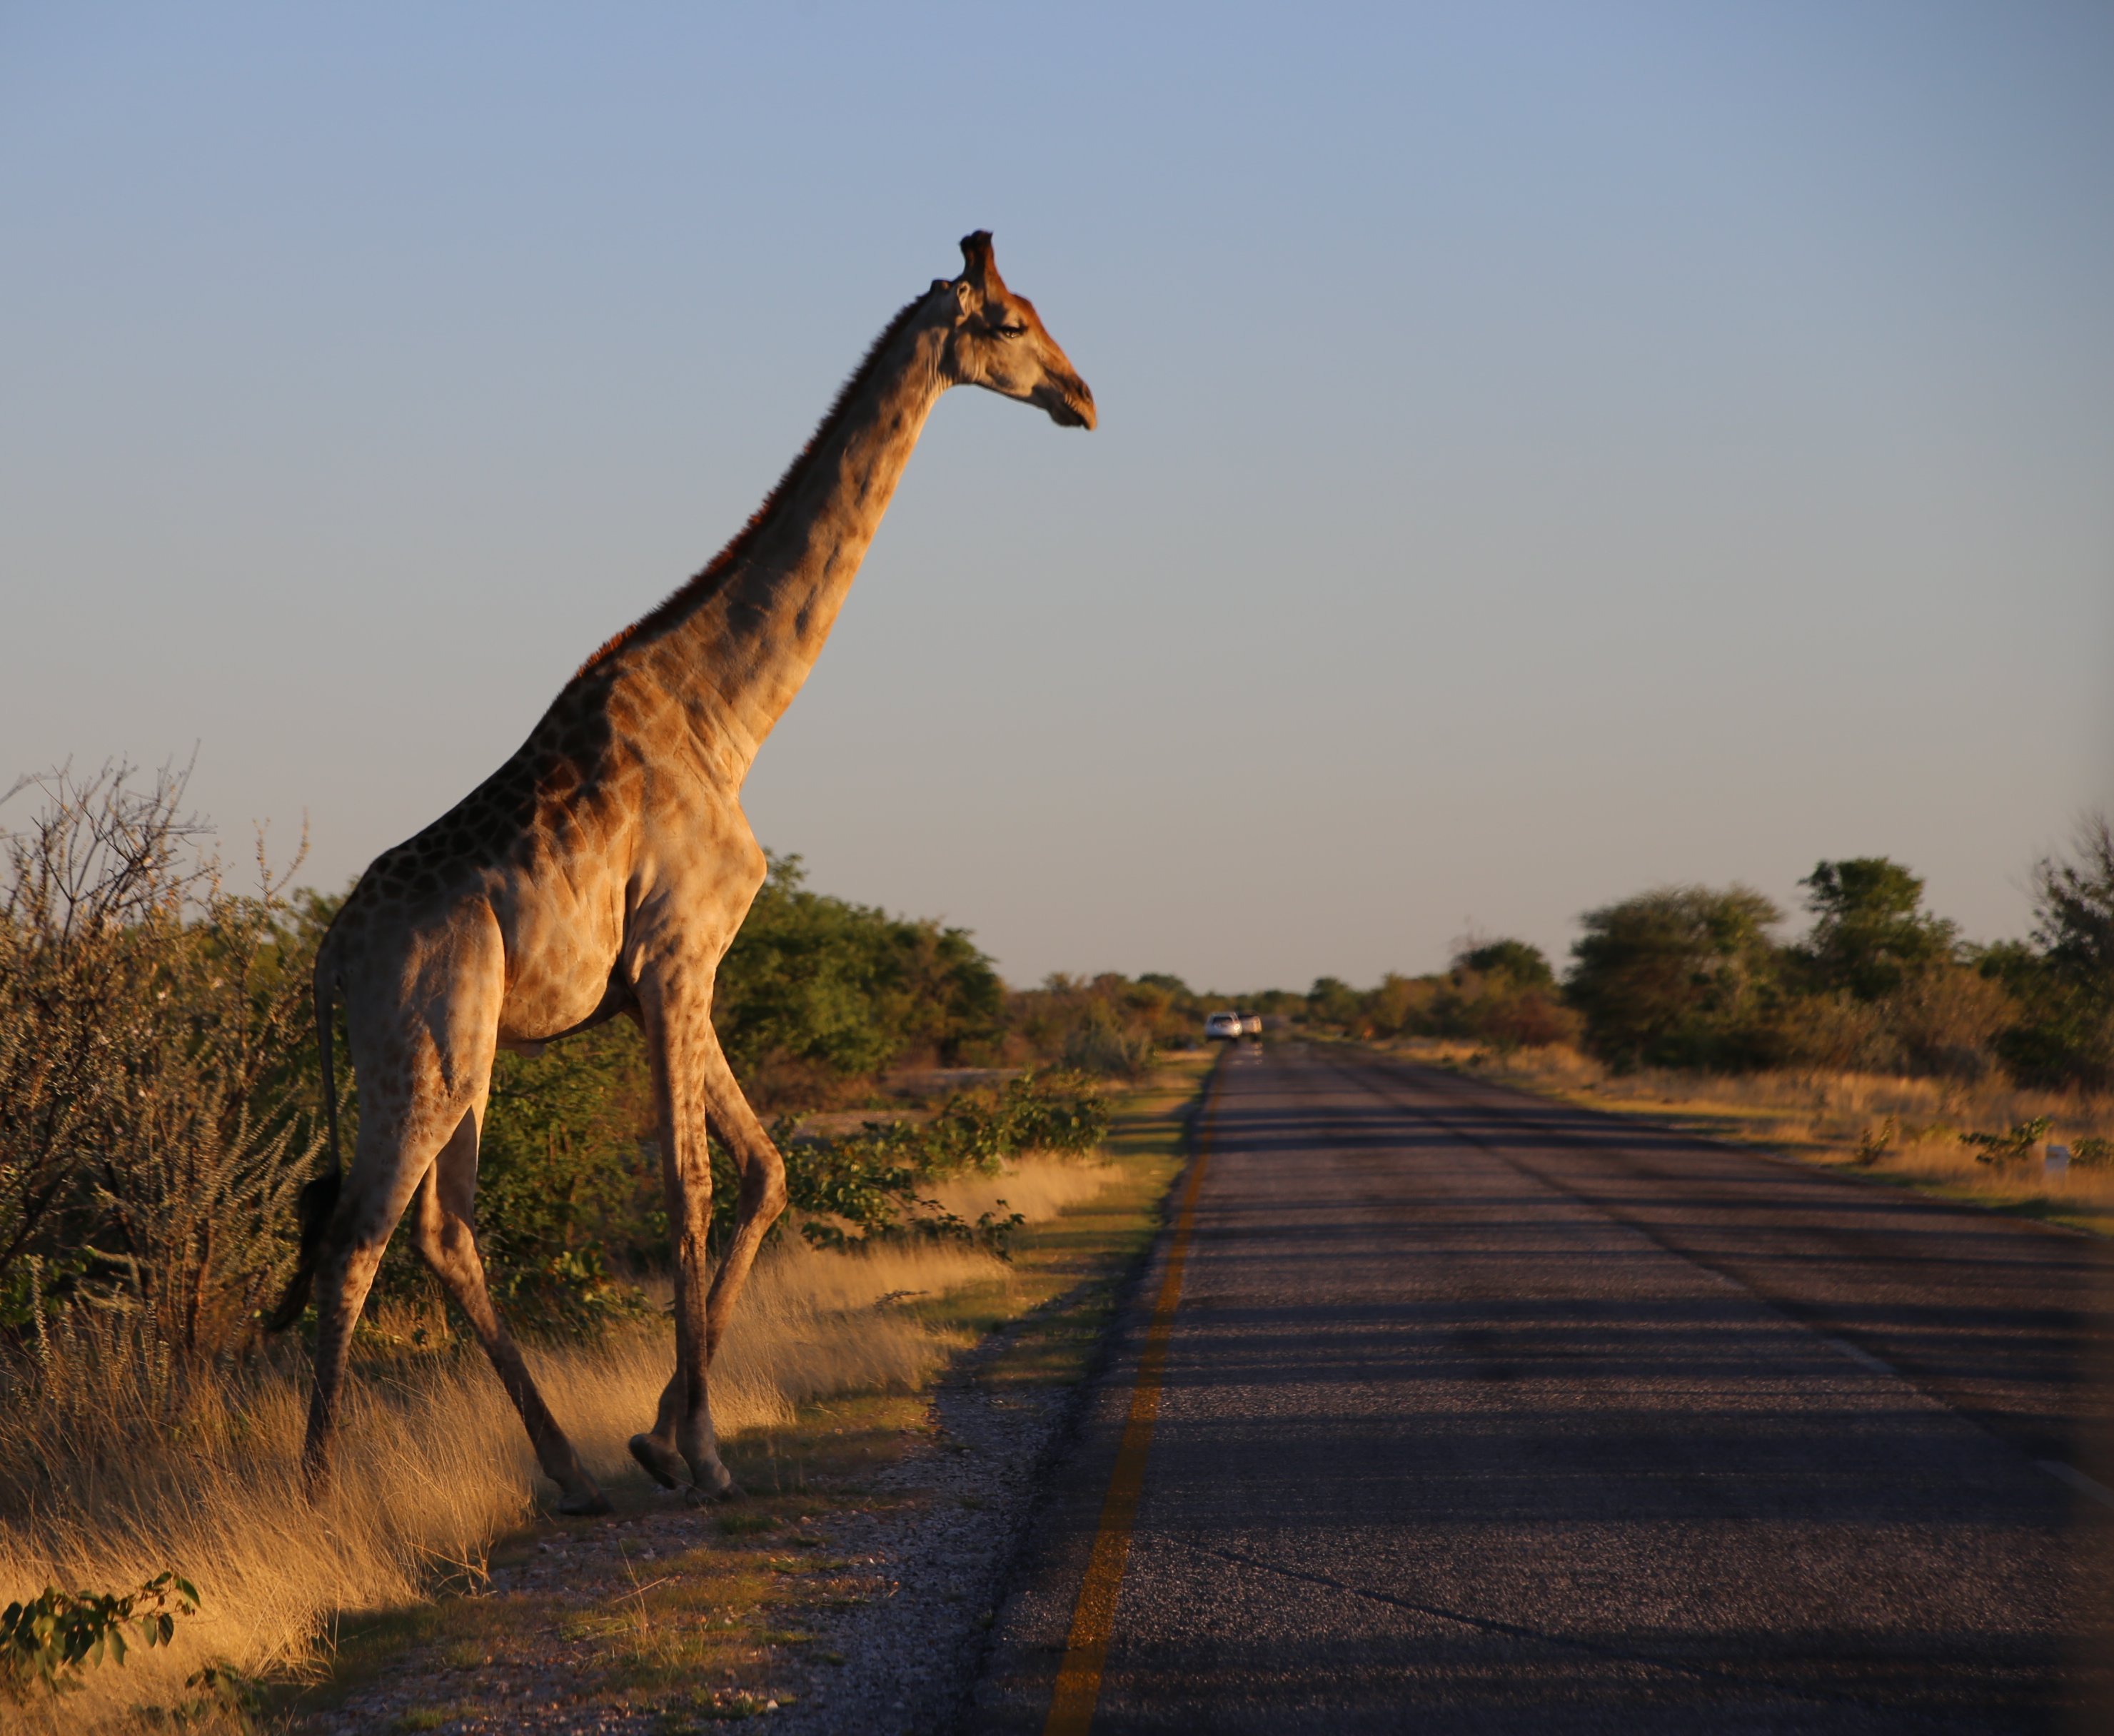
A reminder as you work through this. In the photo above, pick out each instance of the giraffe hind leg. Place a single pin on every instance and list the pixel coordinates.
(447, 1244)
(396, 1147)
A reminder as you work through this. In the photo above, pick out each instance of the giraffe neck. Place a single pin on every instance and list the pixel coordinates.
(736, 645)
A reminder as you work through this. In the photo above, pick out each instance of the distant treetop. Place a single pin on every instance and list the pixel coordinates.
(1524, 965)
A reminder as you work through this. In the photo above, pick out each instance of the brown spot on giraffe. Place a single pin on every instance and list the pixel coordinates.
(604, 869)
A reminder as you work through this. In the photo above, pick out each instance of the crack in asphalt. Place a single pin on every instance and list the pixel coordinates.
(1516, 1630)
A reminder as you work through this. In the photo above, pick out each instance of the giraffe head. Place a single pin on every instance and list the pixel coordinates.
(997, 340)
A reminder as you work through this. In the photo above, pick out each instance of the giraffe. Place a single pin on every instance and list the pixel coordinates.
(603, 871)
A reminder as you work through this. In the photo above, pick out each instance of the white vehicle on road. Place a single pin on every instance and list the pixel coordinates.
(1226, 1025)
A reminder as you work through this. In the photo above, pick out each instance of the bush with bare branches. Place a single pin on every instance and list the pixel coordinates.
(154, 1119)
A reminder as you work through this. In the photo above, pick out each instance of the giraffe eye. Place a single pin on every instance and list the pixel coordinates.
(1012, 331)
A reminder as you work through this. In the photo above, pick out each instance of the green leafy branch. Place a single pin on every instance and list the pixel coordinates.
(870, 1185)
(2009, 1148)
(51, 1639)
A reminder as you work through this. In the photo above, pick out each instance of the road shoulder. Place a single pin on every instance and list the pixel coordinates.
(852, 1591)
(1029, 1638)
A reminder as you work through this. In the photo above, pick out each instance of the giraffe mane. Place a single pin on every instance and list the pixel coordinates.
(696, 589)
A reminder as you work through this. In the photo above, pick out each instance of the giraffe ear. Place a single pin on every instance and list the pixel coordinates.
(979, 270)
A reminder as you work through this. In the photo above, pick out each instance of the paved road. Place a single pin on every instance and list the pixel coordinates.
(1483, 1415)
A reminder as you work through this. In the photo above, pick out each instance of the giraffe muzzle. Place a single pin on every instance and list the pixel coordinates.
(1069, 403)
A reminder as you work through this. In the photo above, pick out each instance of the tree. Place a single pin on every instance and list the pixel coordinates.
(816, 990)
(1870, 932)
(1333, 1004)
(1524, 967)
(2074, 908)
(1678, 976)
(2067, 983)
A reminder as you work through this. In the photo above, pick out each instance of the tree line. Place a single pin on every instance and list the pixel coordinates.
(1692, 976)
(159, 1082)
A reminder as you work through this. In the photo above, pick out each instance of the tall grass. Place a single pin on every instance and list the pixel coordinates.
(1037, 1189)
(110, 1472)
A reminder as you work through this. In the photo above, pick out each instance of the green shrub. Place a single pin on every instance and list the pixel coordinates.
(1949, 1019)
(1054, 1112)
(1108, 1024)
(569, 1182)
(1832, 1032)
(1405, 1006)
(2013, 1146)
(1509, 1018)
(1098, 1044)
(1874, 1142)
(816, 989)
(872, 1180)
(1333, 1004)
(48, 1641)
(1498, 992)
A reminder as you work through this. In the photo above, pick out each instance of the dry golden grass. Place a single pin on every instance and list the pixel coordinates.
(1036, 1189)
(101, 1494)
(1899, 1129)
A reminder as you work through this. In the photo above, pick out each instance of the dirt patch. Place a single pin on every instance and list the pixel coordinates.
(856, 1605)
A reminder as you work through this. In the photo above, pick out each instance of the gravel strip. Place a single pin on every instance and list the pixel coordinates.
(894, 1639)
(910, 1658)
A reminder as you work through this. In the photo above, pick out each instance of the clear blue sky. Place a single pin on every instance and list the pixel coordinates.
(1547, 449)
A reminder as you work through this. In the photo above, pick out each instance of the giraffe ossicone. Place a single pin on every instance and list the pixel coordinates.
(602, 871)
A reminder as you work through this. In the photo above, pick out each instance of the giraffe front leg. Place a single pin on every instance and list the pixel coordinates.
(762, 1172)
(682, 1442)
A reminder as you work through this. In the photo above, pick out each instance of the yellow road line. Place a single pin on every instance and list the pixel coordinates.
(1093, 1617)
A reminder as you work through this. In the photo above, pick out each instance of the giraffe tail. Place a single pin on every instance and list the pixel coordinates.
(318, 1197)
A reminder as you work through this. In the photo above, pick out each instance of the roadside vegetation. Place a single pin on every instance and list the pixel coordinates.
(1877, 1040)
(1983, 1142)
(708, 1618)
(1692, 979)
(159, 1111)
(951, 1166)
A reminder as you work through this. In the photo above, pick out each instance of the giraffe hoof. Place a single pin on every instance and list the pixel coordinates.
(589, 1502)
(663, 1464)
(699, 1497)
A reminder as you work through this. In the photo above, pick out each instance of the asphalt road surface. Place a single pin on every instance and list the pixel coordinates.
(1479, 1413)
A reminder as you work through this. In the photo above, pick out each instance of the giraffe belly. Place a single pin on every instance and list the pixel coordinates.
(561, 975)
(535, 1013)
